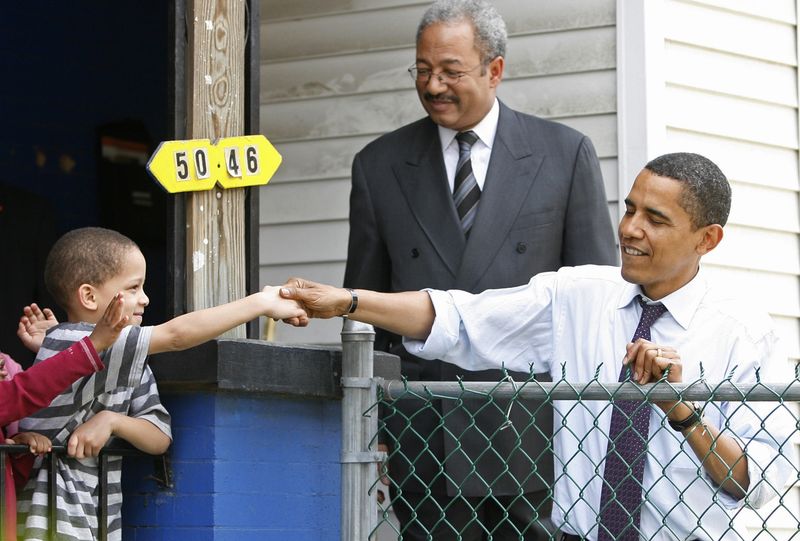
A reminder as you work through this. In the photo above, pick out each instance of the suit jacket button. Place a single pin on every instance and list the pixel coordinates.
(414, 253)
(521, 247)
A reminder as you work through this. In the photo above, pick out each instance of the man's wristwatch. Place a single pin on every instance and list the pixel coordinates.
(694, 418)
(353, 302)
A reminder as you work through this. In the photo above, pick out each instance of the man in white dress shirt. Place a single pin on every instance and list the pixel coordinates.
(701, 463)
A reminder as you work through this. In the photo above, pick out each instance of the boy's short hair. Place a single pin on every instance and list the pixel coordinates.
(89, 255)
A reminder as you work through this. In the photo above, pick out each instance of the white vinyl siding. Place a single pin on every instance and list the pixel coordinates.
(731, 93)
(333, 77)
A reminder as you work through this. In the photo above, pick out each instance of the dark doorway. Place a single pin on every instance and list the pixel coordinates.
(81, 82)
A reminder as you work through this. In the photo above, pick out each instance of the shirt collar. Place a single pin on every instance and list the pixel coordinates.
(485, 129)
(681, 304)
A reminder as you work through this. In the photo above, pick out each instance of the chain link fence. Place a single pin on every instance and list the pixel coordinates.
(679, 500)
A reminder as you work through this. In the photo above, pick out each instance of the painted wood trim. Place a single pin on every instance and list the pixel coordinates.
(641, 132)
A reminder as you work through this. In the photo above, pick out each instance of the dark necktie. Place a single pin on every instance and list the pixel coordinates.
(465, 189)
(627, 453)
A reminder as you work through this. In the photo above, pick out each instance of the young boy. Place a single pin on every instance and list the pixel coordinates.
(30, 390)
(84, 269)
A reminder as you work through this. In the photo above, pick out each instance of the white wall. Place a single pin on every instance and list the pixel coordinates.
(731, 93)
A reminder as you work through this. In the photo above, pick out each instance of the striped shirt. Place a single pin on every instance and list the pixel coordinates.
(127, 386)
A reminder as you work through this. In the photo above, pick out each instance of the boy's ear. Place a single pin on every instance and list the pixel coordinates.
(87, 297)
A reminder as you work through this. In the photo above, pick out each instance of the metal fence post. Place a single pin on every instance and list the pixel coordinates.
(359, 471)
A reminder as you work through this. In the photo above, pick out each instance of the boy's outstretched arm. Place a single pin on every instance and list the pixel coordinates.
(200, 326)
(33, 325)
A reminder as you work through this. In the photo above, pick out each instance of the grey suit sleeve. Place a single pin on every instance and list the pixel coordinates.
(588, 232)
(368, 265)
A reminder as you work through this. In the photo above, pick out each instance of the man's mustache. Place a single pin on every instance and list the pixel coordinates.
(440, 97)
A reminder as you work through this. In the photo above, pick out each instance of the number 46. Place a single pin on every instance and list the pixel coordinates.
(233, 161)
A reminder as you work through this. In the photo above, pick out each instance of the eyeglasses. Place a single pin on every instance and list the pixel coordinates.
(446, 77)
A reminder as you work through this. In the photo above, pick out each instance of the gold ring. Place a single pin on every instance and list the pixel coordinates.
(658, 352)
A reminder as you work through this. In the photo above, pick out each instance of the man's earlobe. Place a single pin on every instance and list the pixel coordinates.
(496, 70)
(712, 236)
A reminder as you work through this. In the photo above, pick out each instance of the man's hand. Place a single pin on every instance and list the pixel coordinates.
(649, 361)
(118, 313)
(37, 443)
(89, 438)
(319, 300)
(33, 326)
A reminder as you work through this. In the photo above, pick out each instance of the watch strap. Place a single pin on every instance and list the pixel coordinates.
(694, 418)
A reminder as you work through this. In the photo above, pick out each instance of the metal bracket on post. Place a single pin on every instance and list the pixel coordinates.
(368, 457)
(358, 383)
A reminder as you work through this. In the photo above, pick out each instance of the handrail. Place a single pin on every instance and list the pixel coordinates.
(117, 448)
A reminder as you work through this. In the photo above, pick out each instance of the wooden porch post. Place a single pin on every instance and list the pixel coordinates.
(215, 220)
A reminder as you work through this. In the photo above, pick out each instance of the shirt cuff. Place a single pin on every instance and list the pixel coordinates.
(768, 470)
(88, 348)
(444, 332)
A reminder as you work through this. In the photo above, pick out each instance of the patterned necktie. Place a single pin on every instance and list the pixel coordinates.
(465, 189)
(627, 453)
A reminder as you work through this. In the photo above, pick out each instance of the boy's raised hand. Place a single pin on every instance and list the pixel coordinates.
(33, 326)
(118, 313)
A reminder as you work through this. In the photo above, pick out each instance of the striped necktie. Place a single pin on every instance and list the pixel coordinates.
(621, 499)
(466, 192)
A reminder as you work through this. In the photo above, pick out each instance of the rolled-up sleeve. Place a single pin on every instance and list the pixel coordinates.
(444, 333)
(499, 328)
(763, 429)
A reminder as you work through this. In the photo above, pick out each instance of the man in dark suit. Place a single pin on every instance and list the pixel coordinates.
(529, 197)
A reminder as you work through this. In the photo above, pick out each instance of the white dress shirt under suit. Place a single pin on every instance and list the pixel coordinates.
(481, 151)
(581, 318)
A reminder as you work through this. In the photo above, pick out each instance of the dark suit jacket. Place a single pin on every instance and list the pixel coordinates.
(543, 206)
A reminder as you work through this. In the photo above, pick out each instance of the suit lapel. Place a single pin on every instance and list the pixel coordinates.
(423, 181)
(511, 174)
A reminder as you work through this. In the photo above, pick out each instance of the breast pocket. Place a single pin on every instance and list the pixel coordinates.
(534, 220)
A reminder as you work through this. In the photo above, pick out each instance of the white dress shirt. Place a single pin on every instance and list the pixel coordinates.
(481, 150)
(579, 320)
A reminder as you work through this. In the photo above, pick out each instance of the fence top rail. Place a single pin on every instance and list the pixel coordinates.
(565, 390)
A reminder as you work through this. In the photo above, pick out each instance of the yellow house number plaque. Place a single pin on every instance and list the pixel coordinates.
(198, 164)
